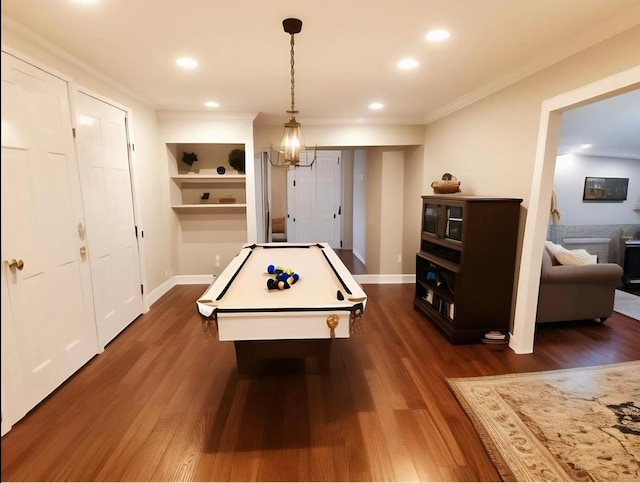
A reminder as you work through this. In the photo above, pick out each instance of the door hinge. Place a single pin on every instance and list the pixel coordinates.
(340, 243)
(340, 210)
(142, 289)
(136, 230)
(294, 182)
(334, 216)
(132, 147)
(73, 132)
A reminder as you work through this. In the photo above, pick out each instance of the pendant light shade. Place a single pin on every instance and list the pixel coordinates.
(292, 142)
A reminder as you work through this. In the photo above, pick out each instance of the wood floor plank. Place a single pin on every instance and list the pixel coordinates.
(164, 402)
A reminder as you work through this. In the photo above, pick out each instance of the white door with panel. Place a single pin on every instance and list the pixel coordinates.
(314, 201)
(48, 323)
(103, 157)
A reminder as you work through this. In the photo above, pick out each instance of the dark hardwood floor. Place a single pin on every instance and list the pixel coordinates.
(164, 402)
(353, 263)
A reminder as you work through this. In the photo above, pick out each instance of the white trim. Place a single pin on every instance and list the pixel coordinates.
(521, 340)
(37, 64)
(29, 35)
(163, 288)
(358, 256)
(159, 291)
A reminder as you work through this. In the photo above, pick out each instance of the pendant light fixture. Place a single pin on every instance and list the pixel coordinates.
(293, 139)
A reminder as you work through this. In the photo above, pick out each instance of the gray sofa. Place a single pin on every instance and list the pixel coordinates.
(576, 292)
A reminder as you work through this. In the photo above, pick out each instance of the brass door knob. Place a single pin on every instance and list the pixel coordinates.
(13, 264)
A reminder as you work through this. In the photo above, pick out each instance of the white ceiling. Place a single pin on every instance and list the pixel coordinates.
(611, 127)
(345, 55)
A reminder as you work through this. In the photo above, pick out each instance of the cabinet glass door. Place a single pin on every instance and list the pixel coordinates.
(453, 227)
(430, 218)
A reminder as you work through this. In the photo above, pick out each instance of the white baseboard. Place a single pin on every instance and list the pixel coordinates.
(163, 288)
(358, 256)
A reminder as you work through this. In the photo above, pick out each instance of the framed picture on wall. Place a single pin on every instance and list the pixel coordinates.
(605, 189)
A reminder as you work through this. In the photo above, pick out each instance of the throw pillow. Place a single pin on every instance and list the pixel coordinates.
(576, 257)
(553, 248)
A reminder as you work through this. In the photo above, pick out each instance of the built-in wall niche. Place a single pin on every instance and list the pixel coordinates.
(211, 157)
(208, 182)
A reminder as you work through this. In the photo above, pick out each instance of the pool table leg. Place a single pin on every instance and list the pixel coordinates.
(250, 353)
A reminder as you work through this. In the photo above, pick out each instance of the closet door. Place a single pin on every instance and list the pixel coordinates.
(103, 156)
(50, 320)
(314, 201)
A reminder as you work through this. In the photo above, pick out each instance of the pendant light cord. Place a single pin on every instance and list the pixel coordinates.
(293, 83)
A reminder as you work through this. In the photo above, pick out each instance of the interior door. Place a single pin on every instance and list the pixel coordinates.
(314, 201)
(48, 286)
(103, 157)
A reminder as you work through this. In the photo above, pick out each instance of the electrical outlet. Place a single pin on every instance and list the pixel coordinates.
(217, 260)
(399, 258)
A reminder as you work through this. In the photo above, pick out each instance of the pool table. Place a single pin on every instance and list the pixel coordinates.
(324, 303)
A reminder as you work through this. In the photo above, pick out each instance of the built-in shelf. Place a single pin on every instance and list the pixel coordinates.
(198, 178)
(209, 206)
(218, 187)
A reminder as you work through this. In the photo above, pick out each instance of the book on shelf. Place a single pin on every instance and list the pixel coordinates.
(428, 296)
(443, 306)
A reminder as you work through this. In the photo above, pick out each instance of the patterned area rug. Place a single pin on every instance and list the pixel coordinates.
(567, 425)
(627, 304)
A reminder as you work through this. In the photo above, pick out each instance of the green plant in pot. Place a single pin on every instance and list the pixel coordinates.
(237, 160)
(189, 158)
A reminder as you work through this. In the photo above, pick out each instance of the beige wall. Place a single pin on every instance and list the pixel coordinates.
(278, 192)
(390, 229)
(491, 145)
(373, 182)
(344, 136)
(411, 193)
(347, 199)
(203, 237)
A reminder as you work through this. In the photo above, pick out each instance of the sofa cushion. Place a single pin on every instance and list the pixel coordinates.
(561, 255)
(576, 257)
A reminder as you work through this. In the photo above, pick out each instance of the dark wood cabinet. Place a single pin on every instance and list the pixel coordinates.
(466, 265)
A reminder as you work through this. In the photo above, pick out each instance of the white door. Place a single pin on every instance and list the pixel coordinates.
(103, 156)
(314, 201)
(50, 315)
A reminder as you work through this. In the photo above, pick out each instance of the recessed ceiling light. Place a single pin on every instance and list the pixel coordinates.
(585, 146)
(407, 64)
(187, 63)
(376, 106)
(438, 35)
(211, 104)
